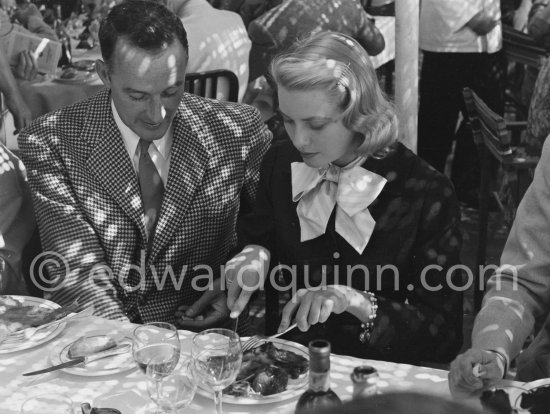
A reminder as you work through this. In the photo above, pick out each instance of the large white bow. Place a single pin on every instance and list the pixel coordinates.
(352, 189)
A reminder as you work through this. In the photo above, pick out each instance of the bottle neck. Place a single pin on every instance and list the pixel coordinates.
(319, 381)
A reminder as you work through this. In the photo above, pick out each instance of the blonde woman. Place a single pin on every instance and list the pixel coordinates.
(366, 232)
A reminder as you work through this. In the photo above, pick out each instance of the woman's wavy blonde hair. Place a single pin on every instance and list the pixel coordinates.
(339, 65)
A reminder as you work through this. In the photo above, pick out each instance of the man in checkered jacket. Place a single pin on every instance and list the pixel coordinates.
(83, 164)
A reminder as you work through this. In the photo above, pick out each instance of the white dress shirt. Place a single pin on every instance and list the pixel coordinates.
(442, 26)
(159, 150)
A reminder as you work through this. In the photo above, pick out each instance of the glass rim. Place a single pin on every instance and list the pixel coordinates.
(232, 335)
(156, 324)
(54, 397)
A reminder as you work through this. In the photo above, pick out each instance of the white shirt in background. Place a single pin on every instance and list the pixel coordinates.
(442, 26)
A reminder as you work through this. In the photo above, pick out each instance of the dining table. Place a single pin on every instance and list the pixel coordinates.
(127, 390)
(50, 93)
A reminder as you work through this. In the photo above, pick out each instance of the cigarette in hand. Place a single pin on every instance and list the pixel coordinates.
(478, 371)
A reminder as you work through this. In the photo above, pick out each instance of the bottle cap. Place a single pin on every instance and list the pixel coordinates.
(319, 355)
(363, 373)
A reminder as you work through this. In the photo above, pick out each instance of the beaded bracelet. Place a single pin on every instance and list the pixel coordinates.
(368, 326)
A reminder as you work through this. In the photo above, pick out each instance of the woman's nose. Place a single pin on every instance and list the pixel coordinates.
(301, 138)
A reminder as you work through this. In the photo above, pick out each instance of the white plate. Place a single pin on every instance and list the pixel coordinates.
(41, 336)
(528, 386)
(106, 366)
(81, 77)
(294, 389)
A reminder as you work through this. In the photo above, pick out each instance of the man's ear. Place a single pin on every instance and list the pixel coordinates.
(103, 72)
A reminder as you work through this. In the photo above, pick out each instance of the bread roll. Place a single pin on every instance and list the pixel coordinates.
(88, 345)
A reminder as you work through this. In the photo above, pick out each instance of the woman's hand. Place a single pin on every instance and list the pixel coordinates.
(244, 274)
(313, 306)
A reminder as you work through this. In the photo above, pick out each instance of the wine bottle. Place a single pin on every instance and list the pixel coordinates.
(318, 395)
(59, 26)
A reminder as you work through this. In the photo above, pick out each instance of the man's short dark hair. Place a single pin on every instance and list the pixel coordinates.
(146, 24)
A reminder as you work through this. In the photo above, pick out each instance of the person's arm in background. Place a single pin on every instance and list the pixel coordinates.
(16, 223)
(8, 86)
(369, 36)
(485, 20)
(538, 25)
(521, 15)
(518, 293)
(31, 19)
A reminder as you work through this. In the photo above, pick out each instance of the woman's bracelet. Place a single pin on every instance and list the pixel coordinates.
(368, 326)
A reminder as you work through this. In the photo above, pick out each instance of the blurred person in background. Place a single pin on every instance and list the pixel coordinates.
(217, 39)
(16, 213)
(403, 402)
(461, 44)
(276, 29)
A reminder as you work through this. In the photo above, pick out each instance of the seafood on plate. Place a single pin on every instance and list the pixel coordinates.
(266, 370)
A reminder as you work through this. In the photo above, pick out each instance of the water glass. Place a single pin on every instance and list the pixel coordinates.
(159, 341)
(217, 357)
(171, 393)
(47, 403)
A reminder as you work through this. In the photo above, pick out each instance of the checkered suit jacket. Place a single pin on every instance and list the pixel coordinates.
(89, 211)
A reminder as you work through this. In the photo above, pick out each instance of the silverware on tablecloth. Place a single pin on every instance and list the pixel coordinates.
(27, 333)
(257, 340)
(121, 349)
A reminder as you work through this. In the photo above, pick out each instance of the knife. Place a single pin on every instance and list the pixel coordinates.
(120, 349)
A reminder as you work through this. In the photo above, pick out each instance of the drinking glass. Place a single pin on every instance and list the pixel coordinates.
(217, 357)
(47, 403)
(171, 393)
(158, 341)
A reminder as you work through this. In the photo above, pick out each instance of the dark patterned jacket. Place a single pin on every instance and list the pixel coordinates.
(278, 28)
(89, 211)
(417, 225)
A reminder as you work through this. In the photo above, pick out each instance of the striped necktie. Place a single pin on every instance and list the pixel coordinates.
(152, 190)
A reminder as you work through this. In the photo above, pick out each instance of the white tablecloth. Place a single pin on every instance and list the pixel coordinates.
(49, 95)
(131, 386)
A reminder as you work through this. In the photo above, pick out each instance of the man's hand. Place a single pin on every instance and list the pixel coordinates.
(244, 274)
(26, 68)
(22, 115)
(473, 371)
(209, 311)
(315, 306)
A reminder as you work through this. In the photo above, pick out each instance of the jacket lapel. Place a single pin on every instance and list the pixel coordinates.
(109, 152)
(188, 161)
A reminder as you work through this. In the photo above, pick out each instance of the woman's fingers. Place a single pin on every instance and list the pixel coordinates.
(326, 310)
(290, 309)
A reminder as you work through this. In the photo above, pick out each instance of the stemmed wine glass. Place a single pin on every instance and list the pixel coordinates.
(217, 357)
(156, 341)
(170, 392)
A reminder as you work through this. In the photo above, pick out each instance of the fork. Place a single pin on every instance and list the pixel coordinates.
(257, 340)
(27, 333)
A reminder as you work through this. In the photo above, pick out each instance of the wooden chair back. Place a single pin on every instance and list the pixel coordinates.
(522, 48)
(218, 84)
